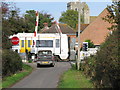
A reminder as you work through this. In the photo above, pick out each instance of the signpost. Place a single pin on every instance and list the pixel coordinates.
(15, 40)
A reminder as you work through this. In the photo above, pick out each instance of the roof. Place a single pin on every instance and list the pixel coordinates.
(82, 26)
(97, 31)
(65, 29)
(92, 18)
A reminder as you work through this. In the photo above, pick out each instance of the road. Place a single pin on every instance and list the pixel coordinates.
(43, 77)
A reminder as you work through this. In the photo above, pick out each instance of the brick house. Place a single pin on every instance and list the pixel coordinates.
(97, 31)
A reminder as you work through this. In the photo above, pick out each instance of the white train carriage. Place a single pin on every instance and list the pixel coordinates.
(57, 43)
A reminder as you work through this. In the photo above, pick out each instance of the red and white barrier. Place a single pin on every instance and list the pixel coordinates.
(36, 23)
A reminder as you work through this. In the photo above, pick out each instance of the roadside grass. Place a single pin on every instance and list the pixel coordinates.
(10, 80)
(74, 79)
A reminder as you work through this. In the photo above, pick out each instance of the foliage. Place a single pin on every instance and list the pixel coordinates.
(90, 44)
(15, 24)
(10, 80)
(70, 17)
(114, 15)
(11, 62)
(105, 66)
(30, 19)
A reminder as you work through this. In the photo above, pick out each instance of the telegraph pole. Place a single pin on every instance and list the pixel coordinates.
(78, 59)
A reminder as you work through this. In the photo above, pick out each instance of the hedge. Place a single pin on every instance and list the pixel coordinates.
(11, 62)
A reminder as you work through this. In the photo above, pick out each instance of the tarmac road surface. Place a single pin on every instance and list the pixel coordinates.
(43, 77)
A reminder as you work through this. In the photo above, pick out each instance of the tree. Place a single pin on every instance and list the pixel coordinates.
(108, 58)
(70, 17)
(30, 18)
(90, 44)
(11, 61)
(11, 19)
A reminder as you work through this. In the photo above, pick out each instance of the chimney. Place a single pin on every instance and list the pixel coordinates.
(45, 25)
(53, 23)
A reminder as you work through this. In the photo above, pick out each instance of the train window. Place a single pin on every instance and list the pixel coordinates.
(57, 43)
(28, 43)
(46, 43)
(22, 43)
(37, 43)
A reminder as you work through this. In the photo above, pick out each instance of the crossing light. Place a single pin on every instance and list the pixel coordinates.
(76, 34)
(85, 46)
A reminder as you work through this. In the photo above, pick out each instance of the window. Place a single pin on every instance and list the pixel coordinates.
(57, 43)
(22, 43)
(28, 43)
(45, 43)
(37, 43)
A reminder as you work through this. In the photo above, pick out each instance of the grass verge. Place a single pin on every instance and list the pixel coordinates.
(10, 80)
(74, 79)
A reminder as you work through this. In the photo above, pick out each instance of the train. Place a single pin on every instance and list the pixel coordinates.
(56, 42)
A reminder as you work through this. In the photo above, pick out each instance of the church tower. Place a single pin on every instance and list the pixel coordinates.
(85, 12)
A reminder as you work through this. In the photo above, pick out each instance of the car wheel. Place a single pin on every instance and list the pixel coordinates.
(38, 65)
(52, 64)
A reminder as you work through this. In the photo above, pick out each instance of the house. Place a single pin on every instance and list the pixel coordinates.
(82, 27)
(92, 18)
(97, 31)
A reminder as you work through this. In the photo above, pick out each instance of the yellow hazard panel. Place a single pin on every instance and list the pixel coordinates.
(25, 44)
(28, 45)
(30, 42)
(22, 46)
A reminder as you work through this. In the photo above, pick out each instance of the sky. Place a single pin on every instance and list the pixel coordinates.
(56, 8)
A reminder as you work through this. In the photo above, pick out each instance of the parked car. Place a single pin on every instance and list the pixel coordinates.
(45, 57)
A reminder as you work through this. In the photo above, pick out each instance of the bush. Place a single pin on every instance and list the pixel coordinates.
(29, 61)
(89, 66)
(11, 63)
(90, 44)
(105, 66)
(108, 64)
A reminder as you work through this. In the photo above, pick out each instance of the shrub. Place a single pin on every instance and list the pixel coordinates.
(107, 63)
(11, 63)
(90, 44)
(105, 66)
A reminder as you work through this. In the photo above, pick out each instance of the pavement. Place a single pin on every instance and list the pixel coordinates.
(44, 77)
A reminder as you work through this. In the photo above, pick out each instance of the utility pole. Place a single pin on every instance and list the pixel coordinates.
(79, 21)
(78, 59)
